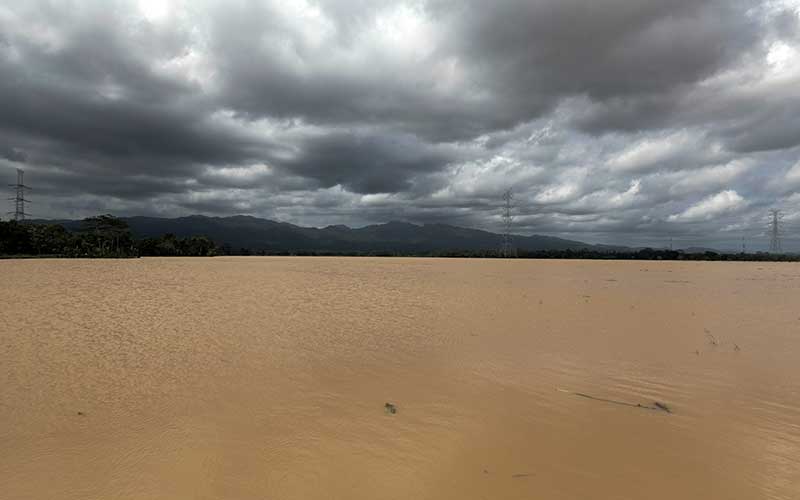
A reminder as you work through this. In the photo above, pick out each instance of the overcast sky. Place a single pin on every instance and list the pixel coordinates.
(617, 121)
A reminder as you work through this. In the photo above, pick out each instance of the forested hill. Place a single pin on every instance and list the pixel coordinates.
(263, 235)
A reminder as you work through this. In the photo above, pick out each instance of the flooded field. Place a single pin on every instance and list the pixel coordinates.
(266, 378)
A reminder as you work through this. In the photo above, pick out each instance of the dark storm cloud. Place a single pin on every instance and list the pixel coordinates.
(604, 48)
(366, 163)
(12, 154)
(515, 60)
(771, 129)
(118, 130)
(92, 96)
(331, 71)
(608, 117)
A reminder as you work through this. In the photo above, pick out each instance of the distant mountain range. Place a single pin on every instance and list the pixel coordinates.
(258, 234)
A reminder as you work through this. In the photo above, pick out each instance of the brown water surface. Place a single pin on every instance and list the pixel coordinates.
(266, 378)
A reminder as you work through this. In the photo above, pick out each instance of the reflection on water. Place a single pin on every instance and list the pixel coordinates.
(245, 378)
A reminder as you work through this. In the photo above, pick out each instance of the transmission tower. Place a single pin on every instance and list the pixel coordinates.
(508, 250)
(19, 197)
(775, 231)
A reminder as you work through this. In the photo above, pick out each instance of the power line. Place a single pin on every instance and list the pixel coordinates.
(775, 230)
(19, 197)
(507, 250)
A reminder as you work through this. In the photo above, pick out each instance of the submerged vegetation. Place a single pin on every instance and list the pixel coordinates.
(104, 236)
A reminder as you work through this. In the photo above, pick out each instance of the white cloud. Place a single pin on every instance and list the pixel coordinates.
(713, 206)
(648, 153)
(622, 199)
(154, 10)
(793, 175)
(556, 194)
(709, 178)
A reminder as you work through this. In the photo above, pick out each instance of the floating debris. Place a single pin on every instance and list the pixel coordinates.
(656, 404)
(390, 408)
(80, 413)
(521, 475)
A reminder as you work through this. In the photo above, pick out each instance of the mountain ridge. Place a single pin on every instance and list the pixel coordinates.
(259, 234)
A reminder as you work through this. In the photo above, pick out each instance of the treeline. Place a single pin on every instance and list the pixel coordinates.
(641, 254)
(169, 245)
(586, 254)
(104, 236)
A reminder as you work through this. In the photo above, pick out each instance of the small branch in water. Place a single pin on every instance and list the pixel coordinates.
(662, 407)
(656, 405)
(521, 475)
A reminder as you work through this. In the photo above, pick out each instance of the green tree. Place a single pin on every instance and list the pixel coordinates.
(107, 236)
(15, 239)
(49, 239)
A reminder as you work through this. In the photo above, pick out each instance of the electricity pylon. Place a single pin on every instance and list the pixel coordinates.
(775, 231)
(19, 197)
(507, 250)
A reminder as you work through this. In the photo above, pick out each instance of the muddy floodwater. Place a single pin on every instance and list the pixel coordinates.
(268, 378)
